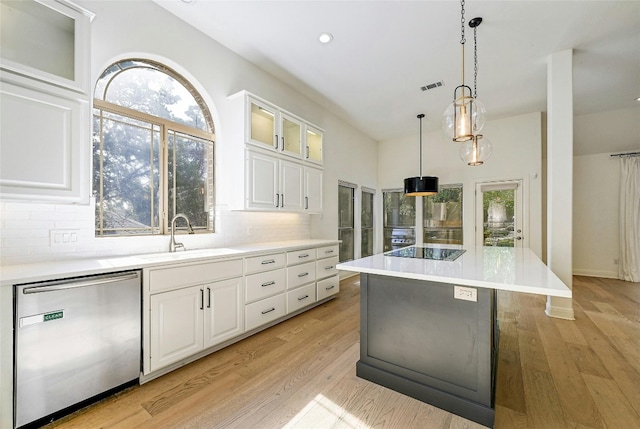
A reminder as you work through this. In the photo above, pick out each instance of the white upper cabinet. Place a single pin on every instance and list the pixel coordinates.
(270, 153)
(271, 128)
(45, 127)
(313, 144)
(290, 136)
(46, 40)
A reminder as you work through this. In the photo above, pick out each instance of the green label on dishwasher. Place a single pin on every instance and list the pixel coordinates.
(53, 316)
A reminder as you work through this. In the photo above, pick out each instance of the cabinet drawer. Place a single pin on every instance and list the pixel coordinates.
(301, 274)
(256, 264)
(328, 287)
(301, 297)
(193, 274)
(326, 267)
(327, 251)
(265, 284)
(301, 256)
(264, 311)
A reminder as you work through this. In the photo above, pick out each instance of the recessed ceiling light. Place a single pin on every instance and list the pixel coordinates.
(325, 38)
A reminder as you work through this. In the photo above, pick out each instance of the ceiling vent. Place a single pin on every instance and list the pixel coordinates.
(432, 85)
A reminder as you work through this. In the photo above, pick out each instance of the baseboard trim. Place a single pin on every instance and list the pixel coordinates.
(595, 273)
(559, 312)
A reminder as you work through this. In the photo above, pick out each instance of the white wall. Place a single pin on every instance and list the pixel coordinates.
(119, 32)
(517, 154)
(595, 215)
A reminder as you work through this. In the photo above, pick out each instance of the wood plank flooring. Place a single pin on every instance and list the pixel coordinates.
(301, 374)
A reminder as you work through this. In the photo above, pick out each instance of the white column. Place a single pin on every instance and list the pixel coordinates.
(560, 176)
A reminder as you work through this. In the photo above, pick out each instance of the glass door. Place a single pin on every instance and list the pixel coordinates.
(500, 214)
(345, 222)
(399, 219)
(366, 224)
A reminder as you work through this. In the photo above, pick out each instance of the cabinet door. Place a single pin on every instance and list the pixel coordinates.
(224, 311)
(262, 181)
(291, 186)
(47, 40)
(176, 325)
(261, 123)
(313, 148)
(44, 145)
(313, 190)
(290, 135)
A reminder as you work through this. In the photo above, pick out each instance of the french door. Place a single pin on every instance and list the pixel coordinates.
(500, 214)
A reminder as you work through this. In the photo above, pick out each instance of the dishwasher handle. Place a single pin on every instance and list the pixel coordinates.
(72, 284)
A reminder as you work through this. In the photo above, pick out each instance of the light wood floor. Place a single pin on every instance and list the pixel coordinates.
(301, 374)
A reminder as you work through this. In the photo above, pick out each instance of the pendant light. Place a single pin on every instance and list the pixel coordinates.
(465, 116)
(476, 151)
(420, 185)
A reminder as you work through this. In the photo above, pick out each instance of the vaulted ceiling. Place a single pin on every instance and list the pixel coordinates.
(383, 52)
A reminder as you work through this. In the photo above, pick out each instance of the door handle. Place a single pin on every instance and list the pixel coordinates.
(71, 284)
(277, 200)
(306, 203)
(277, 142)
(282, 143)
(209, 297)
(201, 299)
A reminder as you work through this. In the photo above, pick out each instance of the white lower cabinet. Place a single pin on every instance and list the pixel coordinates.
(301, 297)
(328, 287)
(223, 311)
(176, 326)
(187, 321)
(191, 307)
(265, 311)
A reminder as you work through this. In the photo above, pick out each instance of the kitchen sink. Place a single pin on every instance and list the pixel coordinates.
(186, 254)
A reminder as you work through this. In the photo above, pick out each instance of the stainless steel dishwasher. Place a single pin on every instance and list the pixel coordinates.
(75, 339)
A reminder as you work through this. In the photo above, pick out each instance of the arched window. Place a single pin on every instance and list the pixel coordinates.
(153, 146)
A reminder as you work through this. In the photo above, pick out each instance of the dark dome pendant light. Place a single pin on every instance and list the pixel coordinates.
(420, 185)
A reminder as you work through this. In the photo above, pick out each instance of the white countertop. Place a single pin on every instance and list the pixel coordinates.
(29, 273)
(503, 268)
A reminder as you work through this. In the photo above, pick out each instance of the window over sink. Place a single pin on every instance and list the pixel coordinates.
(153, 151)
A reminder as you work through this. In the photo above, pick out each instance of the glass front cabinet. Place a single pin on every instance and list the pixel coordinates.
(268, 143)
(45, 80)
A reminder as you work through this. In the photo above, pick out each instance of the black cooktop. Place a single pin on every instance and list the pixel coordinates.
(437, 253)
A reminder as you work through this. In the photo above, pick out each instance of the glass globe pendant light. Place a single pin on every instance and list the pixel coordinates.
(466, 115)
(420, 185)
(476, 151)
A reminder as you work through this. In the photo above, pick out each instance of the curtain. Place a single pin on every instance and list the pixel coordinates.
(629, 268)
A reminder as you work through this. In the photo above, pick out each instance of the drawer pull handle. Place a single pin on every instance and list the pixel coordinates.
(303, 297)
(330, 287)
(269, 310)
(306, 255)
(327, 252)
(303, 274)
(268, 283)
(268, 261)
(329, 267)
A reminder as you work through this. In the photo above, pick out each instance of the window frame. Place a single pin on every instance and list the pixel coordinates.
(166, 126)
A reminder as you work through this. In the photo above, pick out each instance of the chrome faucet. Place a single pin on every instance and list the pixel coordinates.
(173, 245)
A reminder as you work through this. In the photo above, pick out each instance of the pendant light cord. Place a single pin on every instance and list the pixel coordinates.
(462, 38)
(420, 116)
(475, 62)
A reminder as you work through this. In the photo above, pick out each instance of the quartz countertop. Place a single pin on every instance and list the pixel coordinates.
(36, 272)
(503, 268)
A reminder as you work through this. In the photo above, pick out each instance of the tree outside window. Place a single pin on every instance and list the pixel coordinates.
(153, 151)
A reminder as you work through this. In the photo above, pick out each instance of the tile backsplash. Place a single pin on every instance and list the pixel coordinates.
(32, 232)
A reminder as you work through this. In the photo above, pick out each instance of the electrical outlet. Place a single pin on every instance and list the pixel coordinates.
(63, 237)
(465, 293)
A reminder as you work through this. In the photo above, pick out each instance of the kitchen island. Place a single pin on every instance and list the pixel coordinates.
(428, 327)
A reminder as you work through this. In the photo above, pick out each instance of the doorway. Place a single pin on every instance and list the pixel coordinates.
(500, 214)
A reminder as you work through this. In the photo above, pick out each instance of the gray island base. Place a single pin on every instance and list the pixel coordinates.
(417, 339)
